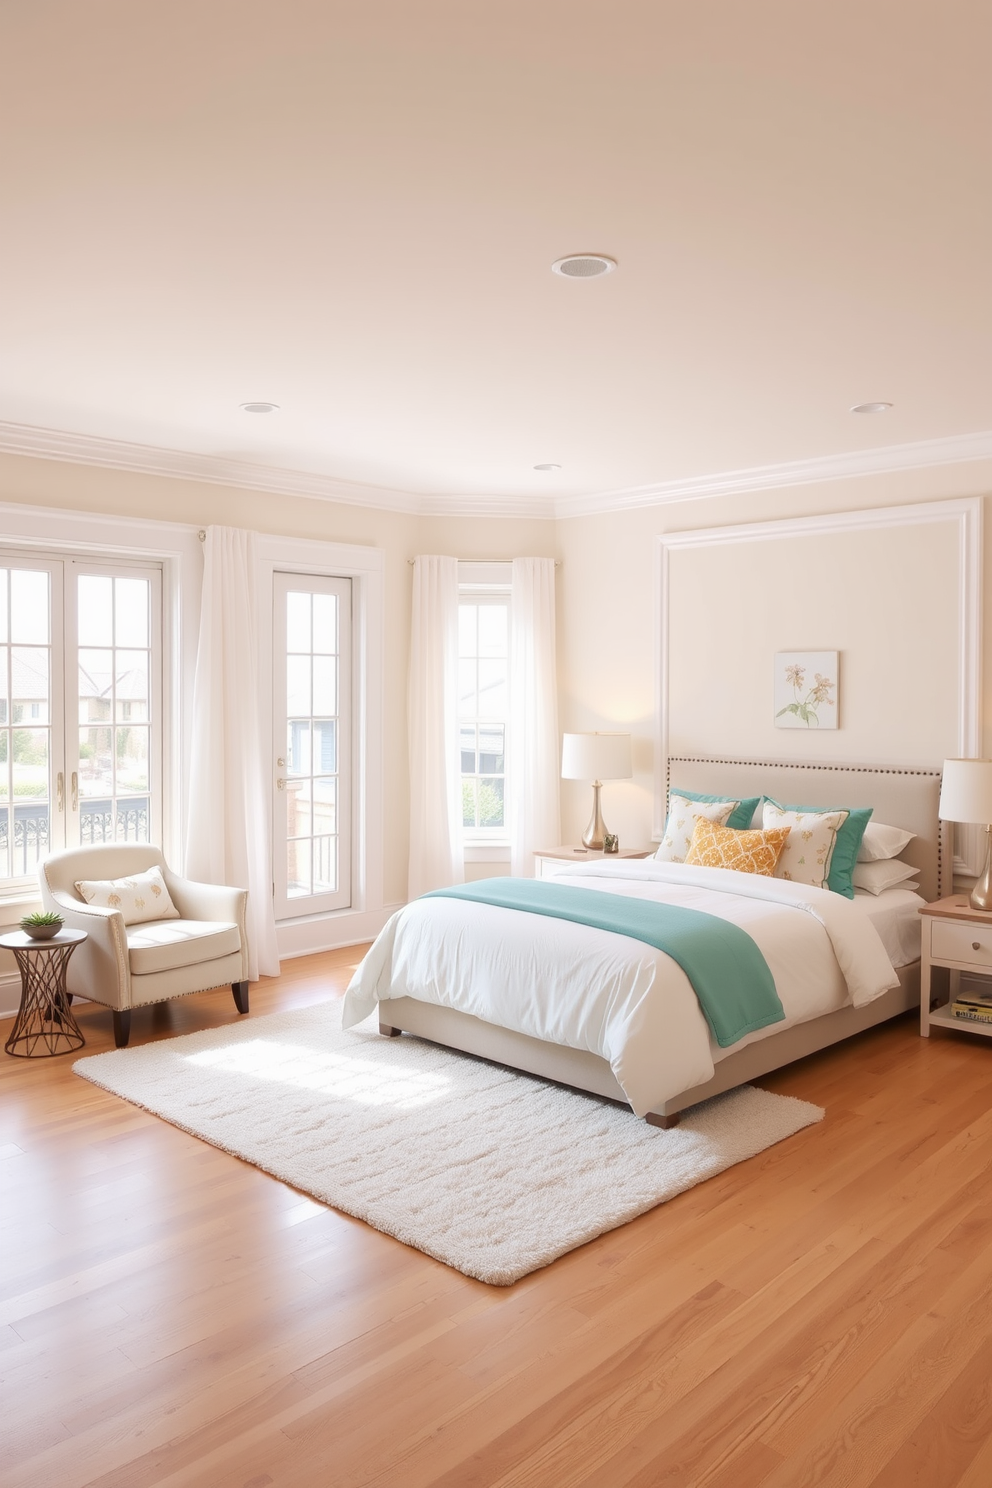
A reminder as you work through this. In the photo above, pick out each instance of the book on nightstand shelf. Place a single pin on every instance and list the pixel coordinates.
(972, 1008)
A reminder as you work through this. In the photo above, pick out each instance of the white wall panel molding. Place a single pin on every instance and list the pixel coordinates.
(965, 515)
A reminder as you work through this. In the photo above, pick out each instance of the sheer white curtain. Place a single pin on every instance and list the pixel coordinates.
(228, 834)
(532, 763)
(436, 856)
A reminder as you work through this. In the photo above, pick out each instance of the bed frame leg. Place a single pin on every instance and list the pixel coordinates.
(389, 1032)
(665, 1122)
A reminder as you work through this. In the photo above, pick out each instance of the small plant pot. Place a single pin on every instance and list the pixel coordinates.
(42, 932)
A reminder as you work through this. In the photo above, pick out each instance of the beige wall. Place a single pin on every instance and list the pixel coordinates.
(608, 634)
(882, 598)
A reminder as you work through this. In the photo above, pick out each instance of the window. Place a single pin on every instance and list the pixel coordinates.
(483, 705)
(80, 690)
(312, 722)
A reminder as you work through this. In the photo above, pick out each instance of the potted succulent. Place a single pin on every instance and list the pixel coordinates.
(42, 925)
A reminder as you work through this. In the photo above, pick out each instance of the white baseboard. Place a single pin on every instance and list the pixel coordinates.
(330, 932)
(10, 994)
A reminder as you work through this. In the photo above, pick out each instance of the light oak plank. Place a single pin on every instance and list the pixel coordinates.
(192, 1322)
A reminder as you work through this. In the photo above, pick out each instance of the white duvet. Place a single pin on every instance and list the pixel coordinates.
(616, 997)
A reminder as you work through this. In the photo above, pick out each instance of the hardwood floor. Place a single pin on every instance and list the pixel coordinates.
(821, 1314)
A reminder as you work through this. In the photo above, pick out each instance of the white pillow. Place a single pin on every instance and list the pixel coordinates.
(139, 897)
(682, 818)
(885, 874)
(810, 845)
(881, 841)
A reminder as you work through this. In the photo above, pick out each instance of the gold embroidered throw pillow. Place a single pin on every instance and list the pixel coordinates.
(139, 897)
(683, 815)
(714, 846)
(806, 858)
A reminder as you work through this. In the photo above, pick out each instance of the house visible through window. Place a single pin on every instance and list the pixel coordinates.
(483, 703)
(80, 711)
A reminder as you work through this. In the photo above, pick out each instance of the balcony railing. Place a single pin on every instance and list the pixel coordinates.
(98, 822)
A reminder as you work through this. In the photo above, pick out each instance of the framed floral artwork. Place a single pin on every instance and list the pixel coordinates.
(806, 690)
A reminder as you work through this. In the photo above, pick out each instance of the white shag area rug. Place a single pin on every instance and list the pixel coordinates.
(493, 1172)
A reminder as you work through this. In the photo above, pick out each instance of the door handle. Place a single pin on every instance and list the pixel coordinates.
(60, 790)
(75, 791)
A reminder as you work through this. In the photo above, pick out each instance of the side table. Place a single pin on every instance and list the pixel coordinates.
(548, 860)
(956, 938)
(44, 1024)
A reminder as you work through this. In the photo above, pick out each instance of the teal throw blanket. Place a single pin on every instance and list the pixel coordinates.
(728, 973)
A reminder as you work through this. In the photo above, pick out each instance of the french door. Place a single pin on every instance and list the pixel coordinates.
(311, 634)
(80, 708)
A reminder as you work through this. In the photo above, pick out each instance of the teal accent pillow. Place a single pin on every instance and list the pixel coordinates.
(740, 818)
(840, 878)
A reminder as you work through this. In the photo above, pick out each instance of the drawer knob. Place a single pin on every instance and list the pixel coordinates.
(976, 945)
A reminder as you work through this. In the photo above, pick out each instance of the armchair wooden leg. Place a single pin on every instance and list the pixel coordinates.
(665, 1122)
(240, 990)
(122, 1027)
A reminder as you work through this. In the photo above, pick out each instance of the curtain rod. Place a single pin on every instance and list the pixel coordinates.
(412, 561)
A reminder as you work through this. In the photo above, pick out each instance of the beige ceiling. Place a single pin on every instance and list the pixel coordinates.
(351, 209)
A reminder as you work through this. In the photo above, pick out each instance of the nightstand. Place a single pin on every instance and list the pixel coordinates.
(957, 938)
(548, 860)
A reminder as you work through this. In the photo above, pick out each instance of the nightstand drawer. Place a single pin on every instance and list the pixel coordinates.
(971, 943)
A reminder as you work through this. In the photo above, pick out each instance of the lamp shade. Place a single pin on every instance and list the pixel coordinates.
(966, 791)
(595, 757)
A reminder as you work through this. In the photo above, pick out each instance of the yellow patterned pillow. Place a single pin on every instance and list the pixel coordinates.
(745, 852)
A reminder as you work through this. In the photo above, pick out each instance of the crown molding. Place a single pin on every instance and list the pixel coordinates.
(887, 460)
(538, 508)
(145, 459)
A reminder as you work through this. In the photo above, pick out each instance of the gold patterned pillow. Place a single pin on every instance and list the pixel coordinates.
(139, 897)
(713, 846)
(806, 858)
(683, 815)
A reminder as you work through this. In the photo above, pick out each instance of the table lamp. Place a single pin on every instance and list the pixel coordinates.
(595, 757)
(966, 796)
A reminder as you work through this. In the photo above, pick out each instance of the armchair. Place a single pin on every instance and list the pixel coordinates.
(128, 966)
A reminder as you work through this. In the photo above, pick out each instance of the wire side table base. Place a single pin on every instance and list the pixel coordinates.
(44, 1025)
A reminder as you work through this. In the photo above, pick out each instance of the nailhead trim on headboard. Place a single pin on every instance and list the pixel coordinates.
(708, 759)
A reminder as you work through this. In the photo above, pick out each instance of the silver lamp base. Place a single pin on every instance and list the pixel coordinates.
(594, 836)
(981, 894)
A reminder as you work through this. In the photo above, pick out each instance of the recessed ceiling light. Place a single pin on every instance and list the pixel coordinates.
(870, 407)
(549, 466)
(583, 265)
(260, 407)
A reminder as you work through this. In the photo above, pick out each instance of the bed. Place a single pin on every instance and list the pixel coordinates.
(437, 945)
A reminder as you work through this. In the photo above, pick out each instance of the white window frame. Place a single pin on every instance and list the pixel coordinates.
(110, 567)
(364, 566)
(286, 907)
(492, 583)
(179, 549)
(94, 537)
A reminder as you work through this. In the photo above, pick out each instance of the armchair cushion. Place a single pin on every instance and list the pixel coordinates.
(139, 896)
(164, 945)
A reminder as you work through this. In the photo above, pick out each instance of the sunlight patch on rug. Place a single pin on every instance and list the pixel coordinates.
(492, 1172)
(343, 1076)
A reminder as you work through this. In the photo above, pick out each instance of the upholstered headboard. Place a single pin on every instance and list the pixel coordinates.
(900, 797)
